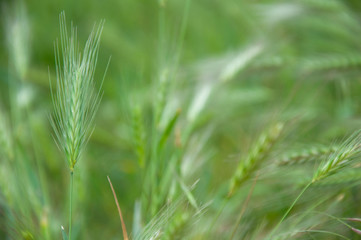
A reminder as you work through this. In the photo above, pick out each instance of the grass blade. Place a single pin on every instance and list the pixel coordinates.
(63, 233)
(125, 235)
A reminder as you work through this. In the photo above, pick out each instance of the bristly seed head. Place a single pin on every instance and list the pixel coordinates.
(256, 156)
(76, 100)
(341, 158)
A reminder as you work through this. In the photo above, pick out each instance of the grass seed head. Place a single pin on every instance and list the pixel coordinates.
(343, 157)
(256, 156)
(76, 100)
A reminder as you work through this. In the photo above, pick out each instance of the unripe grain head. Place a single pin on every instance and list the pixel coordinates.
(76, 100)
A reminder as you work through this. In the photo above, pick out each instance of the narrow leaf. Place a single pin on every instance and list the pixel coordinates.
(125, 234)
(63, 233)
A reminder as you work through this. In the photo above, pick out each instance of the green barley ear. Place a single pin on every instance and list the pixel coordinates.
(256, 156)
(306, 155)
(76, 100)
(343, 157)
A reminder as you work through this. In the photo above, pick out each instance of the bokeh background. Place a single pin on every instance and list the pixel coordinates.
(231, 68)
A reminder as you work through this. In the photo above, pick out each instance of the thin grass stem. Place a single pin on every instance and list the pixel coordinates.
(290, 208)
(71, 202)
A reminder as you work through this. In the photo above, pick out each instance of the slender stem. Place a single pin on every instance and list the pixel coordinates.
(71, 202)
(290, 208)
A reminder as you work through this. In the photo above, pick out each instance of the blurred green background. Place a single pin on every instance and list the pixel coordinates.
(250, 62)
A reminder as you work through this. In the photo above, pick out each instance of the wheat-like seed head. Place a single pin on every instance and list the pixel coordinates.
(305, 155)
(257, 155)
(76, 99)
(343, 157)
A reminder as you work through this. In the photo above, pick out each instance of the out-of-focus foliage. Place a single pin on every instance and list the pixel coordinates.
(191, 97)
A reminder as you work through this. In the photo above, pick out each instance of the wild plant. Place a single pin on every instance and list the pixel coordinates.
(256, 156)
(76, 99)
(345, 156)
(206, 90)
(160, 172)
(18, 155)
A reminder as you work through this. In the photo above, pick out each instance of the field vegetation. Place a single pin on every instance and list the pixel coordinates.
(180, 119)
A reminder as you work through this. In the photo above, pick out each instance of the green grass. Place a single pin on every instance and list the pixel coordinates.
(215, 119)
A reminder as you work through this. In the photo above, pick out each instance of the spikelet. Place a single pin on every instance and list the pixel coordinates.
(307, 154)
(346, 178)
(76, 99)
(256, 156)
(343, 157)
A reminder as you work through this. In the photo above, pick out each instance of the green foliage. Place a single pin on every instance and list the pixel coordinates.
(204, 99)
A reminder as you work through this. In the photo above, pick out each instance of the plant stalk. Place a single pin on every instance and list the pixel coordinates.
(290, 208)
(71, 201)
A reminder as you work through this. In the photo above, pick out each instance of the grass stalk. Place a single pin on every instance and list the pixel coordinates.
(76, 100)
(71, 202)
(340, 159)
(289, 209)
